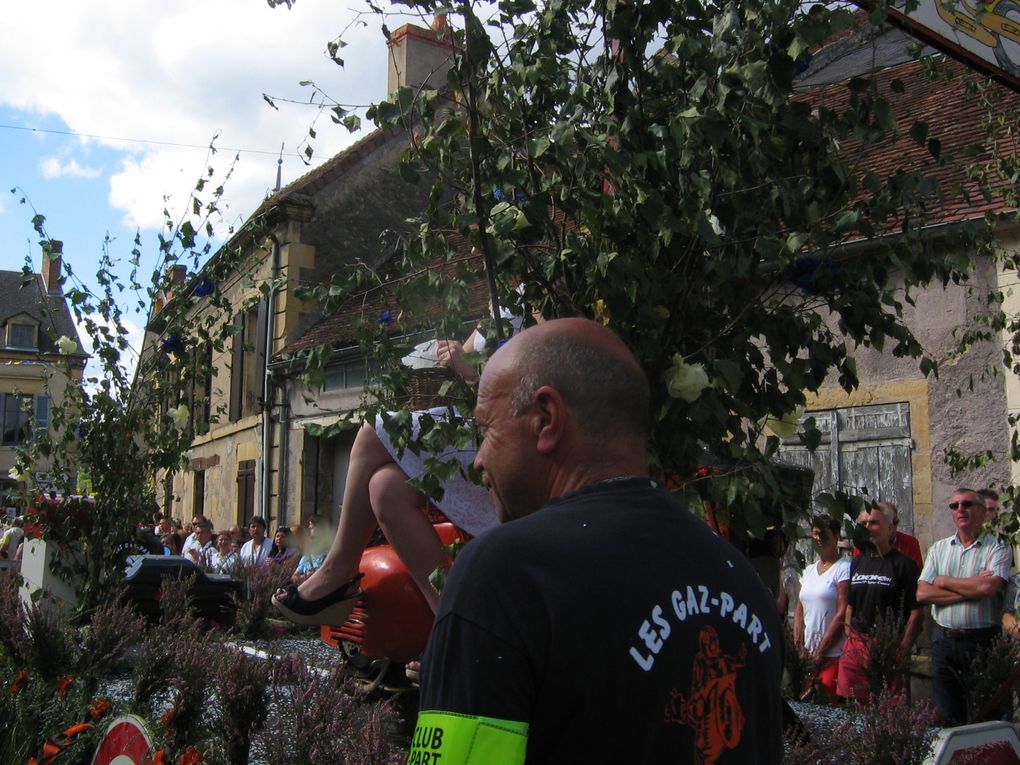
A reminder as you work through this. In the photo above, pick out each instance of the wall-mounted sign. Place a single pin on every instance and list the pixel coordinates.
(984, 35)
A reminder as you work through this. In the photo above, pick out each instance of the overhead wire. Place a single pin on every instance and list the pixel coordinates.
(175, 144)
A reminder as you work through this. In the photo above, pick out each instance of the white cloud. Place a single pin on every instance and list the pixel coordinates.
(128, 358)
(179, 73)
(51, 167)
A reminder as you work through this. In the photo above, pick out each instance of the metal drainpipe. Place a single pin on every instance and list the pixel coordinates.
(267, 384)
(284, 450)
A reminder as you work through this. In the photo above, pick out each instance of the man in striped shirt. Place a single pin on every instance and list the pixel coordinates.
(962, 579)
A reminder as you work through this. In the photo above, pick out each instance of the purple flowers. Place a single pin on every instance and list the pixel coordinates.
(386, 317)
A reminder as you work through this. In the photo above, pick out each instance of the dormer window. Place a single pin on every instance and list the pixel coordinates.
(22, 335)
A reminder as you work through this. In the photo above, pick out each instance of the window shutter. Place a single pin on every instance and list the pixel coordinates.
(237, 369)
(261, 327)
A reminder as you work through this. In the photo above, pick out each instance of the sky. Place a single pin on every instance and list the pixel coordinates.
(107, 109)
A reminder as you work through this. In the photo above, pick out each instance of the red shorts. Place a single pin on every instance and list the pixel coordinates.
(828, 674)
(852, 682)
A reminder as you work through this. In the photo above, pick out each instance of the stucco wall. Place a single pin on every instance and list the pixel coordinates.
(963, 407)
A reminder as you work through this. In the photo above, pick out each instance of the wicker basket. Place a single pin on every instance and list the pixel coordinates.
(423, 388)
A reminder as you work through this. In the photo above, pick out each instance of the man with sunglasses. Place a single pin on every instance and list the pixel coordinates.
(962, 579)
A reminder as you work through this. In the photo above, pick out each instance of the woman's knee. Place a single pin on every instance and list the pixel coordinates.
(390, 495)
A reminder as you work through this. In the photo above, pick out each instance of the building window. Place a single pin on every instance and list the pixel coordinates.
(16, 414)
(351, 375)
(21, 336)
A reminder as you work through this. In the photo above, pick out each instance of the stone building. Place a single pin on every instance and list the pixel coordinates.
(34, 371)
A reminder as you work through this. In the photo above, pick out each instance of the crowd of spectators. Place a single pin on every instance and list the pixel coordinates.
(229, 550)
(845, 600)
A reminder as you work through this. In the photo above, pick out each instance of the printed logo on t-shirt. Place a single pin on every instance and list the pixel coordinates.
(880, 580)
(712, 708)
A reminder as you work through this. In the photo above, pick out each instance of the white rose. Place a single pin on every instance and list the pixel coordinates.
(180, 416)
(686, 381)
(66, 345)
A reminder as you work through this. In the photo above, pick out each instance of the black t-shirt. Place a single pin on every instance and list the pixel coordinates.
(880, 584)
(620, 627)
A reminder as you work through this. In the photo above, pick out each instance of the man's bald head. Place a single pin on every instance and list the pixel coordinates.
(562, 405)
(592, 369)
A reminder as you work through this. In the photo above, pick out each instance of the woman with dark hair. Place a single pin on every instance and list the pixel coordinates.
(819, 620)
(281, 549)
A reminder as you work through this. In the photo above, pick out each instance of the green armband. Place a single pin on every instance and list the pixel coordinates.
(445, 738)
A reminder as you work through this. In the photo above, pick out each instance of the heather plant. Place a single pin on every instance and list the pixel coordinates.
(176, 604)
(240, 682)
(991, 679)
(888, 664)
(45, 642)
(324, 717)
(886, 730)
(254, 606)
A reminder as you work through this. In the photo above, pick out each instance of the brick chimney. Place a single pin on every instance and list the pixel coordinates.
(420, 56)
(173, 278)
(52, 262)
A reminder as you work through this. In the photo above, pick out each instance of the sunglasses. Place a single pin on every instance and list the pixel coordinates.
(964, 504)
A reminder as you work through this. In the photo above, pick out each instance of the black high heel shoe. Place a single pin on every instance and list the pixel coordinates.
(330, 609)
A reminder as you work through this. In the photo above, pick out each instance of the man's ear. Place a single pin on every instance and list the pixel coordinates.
(549, 418)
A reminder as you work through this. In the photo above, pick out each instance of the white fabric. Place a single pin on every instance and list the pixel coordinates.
(224, 564)
(516, 324)
(191, 543)
(249, 556)
(466, 504)
(818, 597)
(424, 356)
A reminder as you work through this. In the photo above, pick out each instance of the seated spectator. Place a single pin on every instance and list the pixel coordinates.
(883, 585)
(192, 539)
(12, 538)
(201, 549)
(255, 552)
(315, 550)
(163, 526)
(178, 531)
(171, 544)
(281, 549)
(224, 560)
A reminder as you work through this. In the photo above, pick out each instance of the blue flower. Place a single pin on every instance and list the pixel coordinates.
(497, 194)
(172, 344)
(205, 286)
(815, 276)
(519, 196)
(386, 317)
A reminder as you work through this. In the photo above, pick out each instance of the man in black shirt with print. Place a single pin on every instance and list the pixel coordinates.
(601, 622)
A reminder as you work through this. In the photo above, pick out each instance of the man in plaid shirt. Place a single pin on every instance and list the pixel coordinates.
(962, 579)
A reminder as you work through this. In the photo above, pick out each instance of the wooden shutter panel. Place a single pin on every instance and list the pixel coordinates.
(237, 369)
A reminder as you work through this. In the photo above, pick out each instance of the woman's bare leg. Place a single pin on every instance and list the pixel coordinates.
(357, 521)
(398, 509)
